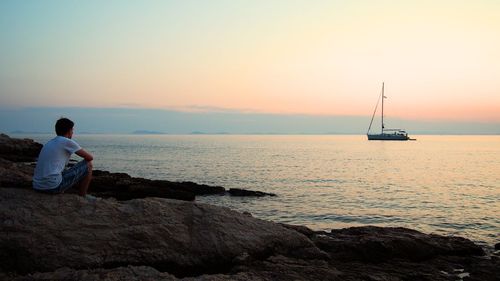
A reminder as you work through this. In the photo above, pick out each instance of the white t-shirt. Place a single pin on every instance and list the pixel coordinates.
(53, 158)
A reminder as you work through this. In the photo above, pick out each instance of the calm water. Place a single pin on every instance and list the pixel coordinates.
(438, 184)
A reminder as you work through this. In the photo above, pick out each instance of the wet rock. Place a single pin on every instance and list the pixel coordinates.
(244, 192)
(19, 150)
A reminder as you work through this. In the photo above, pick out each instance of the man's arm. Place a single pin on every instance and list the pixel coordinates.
(85, 155)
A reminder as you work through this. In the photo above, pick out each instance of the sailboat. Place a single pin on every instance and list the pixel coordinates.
(386, 134)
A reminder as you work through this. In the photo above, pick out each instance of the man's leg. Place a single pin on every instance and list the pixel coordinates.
(83, 185)
(77, 176)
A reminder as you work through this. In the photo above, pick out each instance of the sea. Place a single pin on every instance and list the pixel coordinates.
(447, 185)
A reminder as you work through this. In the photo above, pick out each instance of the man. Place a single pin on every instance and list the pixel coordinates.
(50, 175)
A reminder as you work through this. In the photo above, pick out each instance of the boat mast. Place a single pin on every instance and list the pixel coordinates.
(383, 97)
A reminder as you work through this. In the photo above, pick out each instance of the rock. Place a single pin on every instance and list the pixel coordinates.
(201, 189)
(377, 244)
(300, 228)
(497, 246)
(66, 237)
(275, 269)
(131, 273)
(243, 192)
(19, 150)
(124, 187)
(41, 232)
(482, 269)
(13, 174)
(121, 186)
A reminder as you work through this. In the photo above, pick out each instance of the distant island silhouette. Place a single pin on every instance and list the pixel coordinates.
(147, 132)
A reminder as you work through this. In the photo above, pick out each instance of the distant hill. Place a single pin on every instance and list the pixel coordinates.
(28, 132)
(146, 132)
(209, 133)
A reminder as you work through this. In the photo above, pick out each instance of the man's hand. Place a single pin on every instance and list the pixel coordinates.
(85, 155)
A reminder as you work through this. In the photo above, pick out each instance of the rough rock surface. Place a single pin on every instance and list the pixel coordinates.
(18, 150)
(66, 237)
(42, 232)
(131, 273)
(377, 244)
(274, 271)
(15, 174)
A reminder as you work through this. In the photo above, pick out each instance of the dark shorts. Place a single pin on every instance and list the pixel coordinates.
(71, 176)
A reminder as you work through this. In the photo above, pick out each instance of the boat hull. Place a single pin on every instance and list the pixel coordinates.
(388, 137)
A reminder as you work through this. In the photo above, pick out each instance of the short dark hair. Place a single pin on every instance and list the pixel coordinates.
(63, 125)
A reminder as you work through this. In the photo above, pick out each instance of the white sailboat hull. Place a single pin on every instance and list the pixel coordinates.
(387, 137)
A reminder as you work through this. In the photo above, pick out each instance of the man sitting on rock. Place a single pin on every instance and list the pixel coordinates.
(50, 175)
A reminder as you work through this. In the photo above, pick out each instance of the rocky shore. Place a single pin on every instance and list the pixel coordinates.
(17, 162)
(140, 230)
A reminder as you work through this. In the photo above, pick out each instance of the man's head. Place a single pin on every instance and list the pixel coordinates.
(64, 127)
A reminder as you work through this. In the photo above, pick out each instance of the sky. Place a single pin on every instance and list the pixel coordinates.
(440, 60)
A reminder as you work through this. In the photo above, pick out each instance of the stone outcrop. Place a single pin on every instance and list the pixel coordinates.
(15, 174)
(130, 273)
(66, 237)
(244, 192)
(377, 244)
(18, 150)
(273, 270)
(124, 187)
(42, 232)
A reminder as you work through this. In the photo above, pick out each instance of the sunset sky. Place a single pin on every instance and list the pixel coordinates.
(440, 60)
